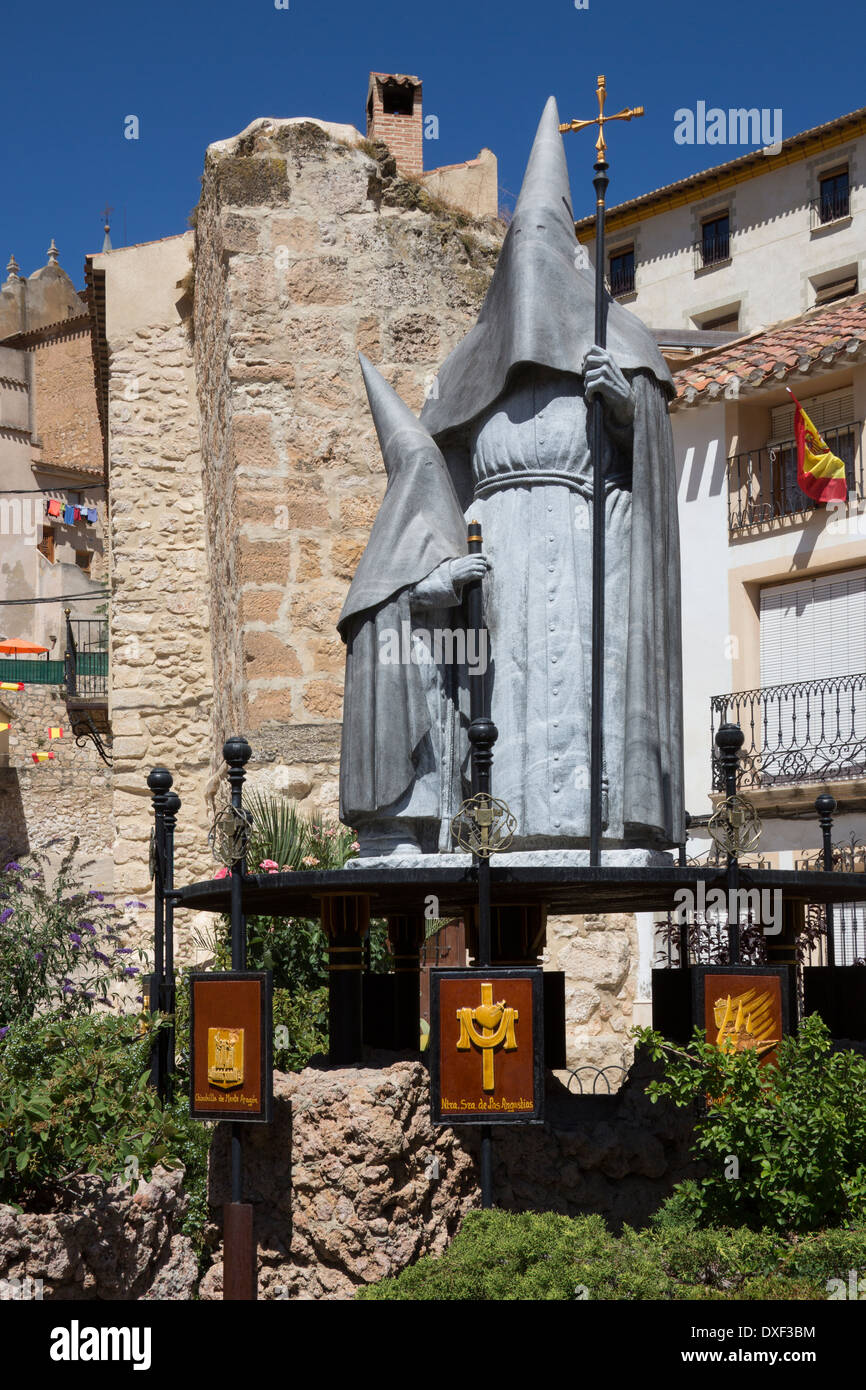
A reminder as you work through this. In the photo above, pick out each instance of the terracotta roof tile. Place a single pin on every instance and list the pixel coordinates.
(788, 348)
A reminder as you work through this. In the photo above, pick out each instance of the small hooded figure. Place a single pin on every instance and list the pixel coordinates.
(404, 749)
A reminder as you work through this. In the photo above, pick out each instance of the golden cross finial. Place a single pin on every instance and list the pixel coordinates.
(601, 119)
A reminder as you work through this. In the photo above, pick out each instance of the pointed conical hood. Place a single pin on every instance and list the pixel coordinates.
(391, 416)
(419, 523)
(540, 306)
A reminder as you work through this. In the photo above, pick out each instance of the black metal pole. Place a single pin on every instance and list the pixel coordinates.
(596, 746)
(825, 805)
(172, 806)
(239, 1261)
(729, 741)
(684, 924)
(159, 781)
(482, 736)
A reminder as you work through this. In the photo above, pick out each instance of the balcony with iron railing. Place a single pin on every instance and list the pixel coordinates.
(712, 250)
(86, 663)
(762, 483)
(803, 732)
(829, 207)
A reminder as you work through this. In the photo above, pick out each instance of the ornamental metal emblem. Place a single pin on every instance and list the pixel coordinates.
(735, 826)
(230, 835)
(483, 825)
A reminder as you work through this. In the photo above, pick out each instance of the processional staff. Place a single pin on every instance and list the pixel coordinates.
(596, 434)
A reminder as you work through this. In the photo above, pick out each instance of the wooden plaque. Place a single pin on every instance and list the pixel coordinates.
(743, 1007)
(487, 1046)
(230, 1046)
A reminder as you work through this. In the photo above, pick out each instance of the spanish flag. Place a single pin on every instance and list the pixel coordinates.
(820, 474)
(11, 685)
(55, 733)
(4, 727)
(41, 757)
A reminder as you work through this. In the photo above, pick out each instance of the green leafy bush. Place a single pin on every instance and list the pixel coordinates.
(500, 1256)
(300, 1027)
(796, 1130)
(74, 1099)
(60, 947)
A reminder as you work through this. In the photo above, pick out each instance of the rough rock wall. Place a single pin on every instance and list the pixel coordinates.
(68, 796)
(351, 1182)
(161, 659)
(307, 250)
(599, 955)
(114, 1245)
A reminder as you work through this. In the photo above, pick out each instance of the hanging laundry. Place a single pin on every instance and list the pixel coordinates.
(11, 685)
(92, 514)
(41, 757)
(54, 508)
(76, 513)
(55, 733)
(69, 515)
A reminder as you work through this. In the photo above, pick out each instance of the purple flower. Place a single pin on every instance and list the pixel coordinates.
(89, 994)
(67, 989)
(75, 938)
(3, 1032)
(40, 957)
(88, 927)
(133, 902)
(123, 951)
(139, 999)
(131, 970)
(5, 915)
(13, 864)
(100, 956)
(95, 893)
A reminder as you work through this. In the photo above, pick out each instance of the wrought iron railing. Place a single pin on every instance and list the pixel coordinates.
(712, 250)
(762, 483)
(829, 208)
(849, 919)
(808, 731)
(622, 281)
(86, 658)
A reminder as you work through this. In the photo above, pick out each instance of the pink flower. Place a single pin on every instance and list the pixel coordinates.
(309, 859)
(270, 864)
(355, 846)
(223, 873)
(288, 869)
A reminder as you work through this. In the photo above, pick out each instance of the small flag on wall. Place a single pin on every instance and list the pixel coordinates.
(11, 685)
(4, 727)
(55, 733)
(41, 757)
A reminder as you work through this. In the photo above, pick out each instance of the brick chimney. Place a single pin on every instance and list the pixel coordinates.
(394, 116)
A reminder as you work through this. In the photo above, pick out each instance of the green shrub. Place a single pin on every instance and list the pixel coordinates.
(60, 947)
(75, 1099)
(304, 1017)
(501, 1256)
(797, 1130)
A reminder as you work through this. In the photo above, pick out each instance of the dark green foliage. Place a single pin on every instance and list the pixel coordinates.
(501, 1256)
(60, 947)
(797, 1131)
(300, 1027)
(74, 1099)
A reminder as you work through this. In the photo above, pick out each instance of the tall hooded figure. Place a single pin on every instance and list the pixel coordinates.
(510, 414)
(404, 747)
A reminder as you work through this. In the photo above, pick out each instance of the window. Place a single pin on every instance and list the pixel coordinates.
(83, 559)
(837, 289)
(726, 323)
(622, 271)
(833, 201)
(716, 239)
(46, 543)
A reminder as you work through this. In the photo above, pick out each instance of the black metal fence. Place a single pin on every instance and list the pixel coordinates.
(807, 731)
(712, 250)
(829, 207)
(762, 483)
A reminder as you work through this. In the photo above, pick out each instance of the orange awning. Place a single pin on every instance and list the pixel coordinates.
(20, 647)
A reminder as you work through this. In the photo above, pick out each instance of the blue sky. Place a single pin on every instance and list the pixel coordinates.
(194, 72)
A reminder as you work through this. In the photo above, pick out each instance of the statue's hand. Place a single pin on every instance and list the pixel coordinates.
(603, 376)
(467, 568)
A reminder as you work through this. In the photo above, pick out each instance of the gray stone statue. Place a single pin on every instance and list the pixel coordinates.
(509, 412)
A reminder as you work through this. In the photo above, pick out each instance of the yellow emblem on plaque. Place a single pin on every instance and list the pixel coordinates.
(745, 1022)
(225, 1057)
(497, 1028)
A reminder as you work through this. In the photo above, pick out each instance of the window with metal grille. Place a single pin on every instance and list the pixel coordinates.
(716, 239)
(834, 199)
(622, 271)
